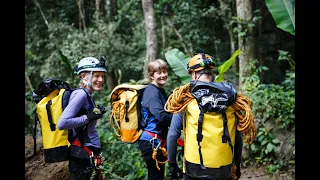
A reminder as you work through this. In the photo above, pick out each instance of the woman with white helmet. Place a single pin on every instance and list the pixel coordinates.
(80, 117)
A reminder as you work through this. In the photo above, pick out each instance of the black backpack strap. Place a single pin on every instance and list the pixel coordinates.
(78, 134)
(35, 132)
(81, 130)
(89, 98)
(127, 108)
(52, 125)
(226, 135)
(200, 136)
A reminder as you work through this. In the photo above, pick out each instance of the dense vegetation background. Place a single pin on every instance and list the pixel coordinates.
(131, 33)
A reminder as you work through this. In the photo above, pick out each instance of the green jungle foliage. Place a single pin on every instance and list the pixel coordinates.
(55, 42)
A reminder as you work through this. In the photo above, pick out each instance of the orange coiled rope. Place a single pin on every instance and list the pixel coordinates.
(233, 172)
(154, 156)
(246, 120)
(179, 99)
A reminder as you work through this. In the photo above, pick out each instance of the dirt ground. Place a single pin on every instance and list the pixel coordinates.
(37, 169)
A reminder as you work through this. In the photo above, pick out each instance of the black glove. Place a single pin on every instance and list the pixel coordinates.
(102, 109)
(174, 171)
(94, 114)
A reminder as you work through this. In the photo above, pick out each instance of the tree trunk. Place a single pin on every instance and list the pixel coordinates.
(100, 9)
(82, 15)
(111, 80)
(246, 43)
(112, 76)
(227, 9)
(151, 29)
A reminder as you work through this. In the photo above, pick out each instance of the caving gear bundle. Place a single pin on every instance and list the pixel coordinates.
(158, 143)
(51, 97)
(210, 113)
(126, 117)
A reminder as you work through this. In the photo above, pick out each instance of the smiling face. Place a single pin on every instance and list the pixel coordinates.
(159, 78)
(158, 73)
(96, 80)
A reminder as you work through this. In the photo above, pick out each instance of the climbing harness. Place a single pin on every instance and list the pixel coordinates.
(95, 161)
(158, 143)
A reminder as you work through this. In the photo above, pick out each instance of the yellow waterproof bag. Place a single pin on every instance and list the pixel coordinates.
(126, 116)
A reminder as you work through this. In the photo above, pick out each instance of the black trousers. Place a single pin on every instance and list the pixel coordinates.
(80, 164)
(146, 151)
(81, 168)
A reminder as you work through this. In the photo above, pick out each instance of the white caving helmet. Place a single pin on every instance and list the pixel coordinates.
(91, 64)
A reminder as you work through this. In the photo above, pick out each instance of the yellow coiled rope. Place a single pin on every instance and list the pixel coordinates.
(116, 117)
(181, 97)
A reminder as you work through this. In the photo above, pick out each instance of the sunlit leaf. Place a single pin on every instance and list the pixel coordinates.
(66, 62)
(283, 14)
(225, 66)
(178, 62)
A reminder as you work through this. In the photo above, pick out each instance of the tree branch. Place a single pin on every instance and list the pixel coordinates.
(42, 14)
(29, 82)
(179, 35)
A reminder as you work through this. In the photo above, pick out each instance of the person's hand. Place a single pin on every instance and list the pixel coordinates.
(94, 114)
(174, 171)
(102, 109)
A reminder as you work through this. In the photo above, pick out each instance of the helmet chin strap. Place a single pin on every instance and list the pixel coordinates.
(88, 83)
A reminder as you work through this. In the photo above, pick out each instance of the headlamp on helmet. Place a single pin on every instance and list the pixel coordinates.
(200, 61)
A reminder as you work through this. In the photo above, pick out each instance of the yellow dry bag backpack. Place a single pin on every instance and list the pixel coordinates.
(210, 124)
(51, 97)
(126, 116)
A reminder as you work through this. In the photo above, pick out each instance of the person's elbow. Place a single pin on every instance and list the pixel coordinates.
(172, 137)
(61, 124)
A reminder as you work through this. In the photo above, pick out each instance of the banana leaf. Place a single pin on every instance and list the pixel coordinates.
(66, 62)
(178, 63)
(225, 66)
(283, 13)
